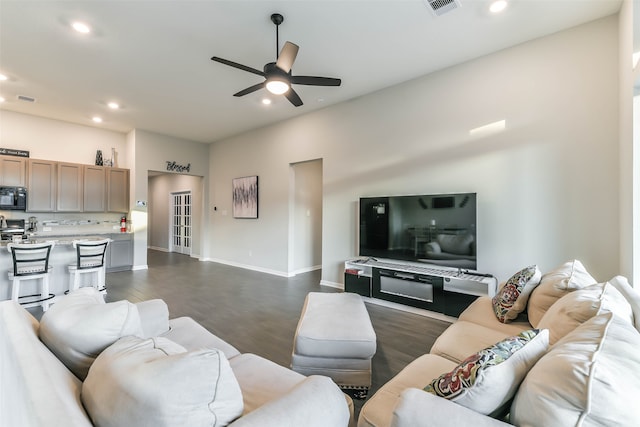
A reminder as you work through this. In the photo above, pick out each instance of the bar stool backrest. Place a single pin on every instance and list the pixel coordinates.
(90, 253)
(30, 258)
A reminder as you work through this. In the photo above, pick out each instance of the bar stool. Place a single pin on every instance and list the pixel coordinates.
(89, 259)
(31, 262)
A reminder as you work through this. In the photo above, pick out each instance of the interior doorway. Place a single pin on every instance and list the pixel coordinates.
(305, 216)
(175, 213)
(181, 223)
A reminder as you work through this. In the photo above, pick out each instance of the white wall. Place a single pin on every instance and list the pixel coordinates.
(547, 186)
(159, 208)
(152, 151)
(60, 141)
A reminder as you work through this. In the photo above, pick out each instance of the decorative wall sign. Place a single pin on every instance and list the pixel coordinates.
(13, 152)
(175, 167)
(245, 197)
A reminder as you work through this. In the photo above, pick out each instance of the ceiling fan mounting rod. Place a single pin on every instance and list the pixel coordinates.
(277, 19)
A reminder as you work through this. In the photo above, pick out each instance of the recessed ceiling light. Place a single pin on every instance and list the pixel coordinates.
(113, 105)
(3, 77)
(266, 101)
(81, 27)
(2, 99)
(97, 119)
(498, 6)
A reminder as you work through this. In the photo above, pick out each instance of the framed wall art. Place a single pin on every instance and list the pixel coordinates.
(245, 197)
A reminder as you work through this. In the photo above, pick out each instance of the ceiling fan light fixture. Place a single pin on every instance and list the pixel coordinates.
(277, 86)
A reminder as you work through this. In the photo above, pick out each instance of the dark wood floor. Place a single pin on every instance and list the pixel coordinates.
(258, 313)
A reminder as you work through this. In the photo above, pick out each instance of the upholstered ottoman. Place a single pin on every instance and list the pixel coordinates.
(335, 338)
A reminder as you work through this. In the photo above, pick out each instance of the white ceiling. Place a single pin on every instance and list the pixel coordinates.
(153, 57)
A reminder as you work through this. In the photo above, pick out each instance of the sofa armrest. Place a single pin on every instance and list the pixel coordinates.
(417, 408)
(315, 402)
(154, 317)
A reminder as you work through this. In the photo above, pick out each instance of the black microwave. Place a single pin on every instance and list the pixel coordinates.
(13, 198)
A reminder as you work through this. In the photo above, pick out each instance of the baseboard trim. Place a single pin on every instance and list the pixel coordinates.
(156, 248)
(140, 267)
(332, 284)
(307, 270)
(249, 267)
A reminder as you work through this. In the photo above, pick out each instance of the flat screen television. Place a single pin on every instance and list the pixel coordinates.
(436, 229)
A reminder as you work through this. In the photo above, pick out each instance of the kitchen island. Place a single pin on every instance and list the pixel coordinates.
(118, 258)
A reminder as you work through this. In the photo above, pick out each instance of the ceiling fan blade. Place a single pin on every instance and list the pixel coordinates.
(250, 89)
(236, 65)
(287, 56)
(315, 81)
(293, 97)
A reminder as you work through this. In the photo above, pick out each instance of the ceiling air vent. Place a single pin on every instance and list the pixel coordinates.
(440, 7)
(26, 98)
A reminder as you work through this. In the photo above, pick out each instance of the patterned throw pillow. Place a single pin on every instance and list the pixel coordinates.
(511, 300)
(487, 380)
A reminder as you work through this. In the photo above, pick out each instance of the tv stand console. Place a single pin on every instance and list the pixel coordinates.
(440, 289)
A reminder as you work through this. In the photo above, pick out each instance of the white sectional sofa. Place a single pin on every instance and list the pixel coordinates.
(121, 364)
(577, 362)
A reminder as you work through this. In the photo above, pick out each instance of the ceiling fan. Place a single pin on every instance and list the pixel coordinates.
(278, 78)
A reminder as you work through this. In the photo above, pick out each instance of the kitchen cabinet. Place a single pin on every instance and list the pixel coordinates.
(119, 255)
(41, 185)
(69, 188)
(117, 190)
(95, 189)
(13, 171)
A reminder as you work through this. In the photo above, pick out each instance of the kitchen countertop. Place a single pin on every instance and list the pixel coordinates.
(63, 240)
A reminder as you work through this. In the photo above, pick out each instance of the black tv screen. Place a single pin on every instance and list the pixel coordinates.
(436, 229)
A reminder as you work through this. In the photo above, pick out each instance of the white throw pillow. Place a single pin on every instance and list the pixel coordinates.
(156, 382)
(511, 299)
(590, 377)
(579, 306)
(80, 325)
(487, 380)
(554, 285)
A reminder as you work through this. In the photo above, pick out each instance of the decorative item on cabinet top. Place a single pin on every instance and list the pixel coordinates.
(99, 161)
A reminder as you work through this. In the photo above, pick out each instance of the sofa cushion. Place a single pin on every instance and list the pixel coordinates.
(262, 380)
(193, 336)
(579, 306)
(156, 382)
(463, 338)
(378, 409)
(590, 377)
(481, 312)
(80, 325)
(486, 381)
(511, 299)
(632, 296)
(554, 285)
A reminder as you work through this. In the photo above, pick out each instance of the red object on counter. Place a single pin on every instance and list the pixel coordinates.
(123, 224)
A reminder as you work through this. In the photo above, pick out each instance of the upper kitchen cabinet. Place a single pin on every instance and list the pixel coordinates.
(95, 189)
(13, 171)
(41, 183)
(69, 194)
(117, 190)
